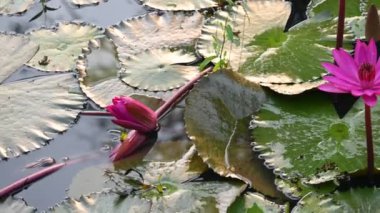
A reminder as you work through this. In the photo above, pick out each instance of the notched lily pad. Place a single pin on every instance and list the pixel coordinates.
(158, 70)
(12, 205)
(15, 50)
(254, 202)
(293, 89)
(154, 31)
(217, 114)
(99, 78)
(33, 111)
(353, 8)
(302, 136)
(246, 22)
(9, 7)
(314, 202)
(179, 4)
(60, 47)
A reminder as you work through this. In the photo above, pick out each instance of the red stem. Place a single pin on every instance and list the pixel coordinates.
(20, 184)
(340, 31)
(370, 155)
(179, 95)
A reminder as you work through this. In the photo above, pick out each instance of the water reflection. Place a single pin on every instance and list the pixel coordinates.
(103, 15)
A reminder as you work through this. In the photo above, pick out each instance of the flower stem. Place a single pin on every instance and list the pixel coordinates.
(340, 31)
(368, 128)
(181, 93)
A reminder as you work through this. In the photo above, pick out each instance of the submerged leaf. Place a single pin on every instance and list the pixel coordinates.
(179, 4)
(9, 7)
(217, 115)
(158, 70)
(33, 111)
(61, 47)
(15, 50)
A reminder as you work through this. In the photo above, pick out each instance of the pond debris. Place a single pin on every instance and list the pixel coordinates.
(43, 162)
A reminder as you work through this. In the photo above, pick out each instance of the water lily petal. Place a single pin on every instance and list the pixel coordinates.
(134, 141)
(132, 125)
(370, 100)
(357, 93)
(329, 87)
(346, 63)
(339, 73)
(361, 55)
(340, 83)
(372, 52)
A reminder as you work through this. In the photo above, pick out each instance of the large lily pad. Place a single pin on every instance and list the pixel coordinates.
(8, 7)
(12, 205)
(60, 47)
(179, 4)
(353, 7)
(217, 115)
(255, 203)
(165, 187)
(155, 30)
(99, 78)
(158, 70)
(33, 111)
(255, 18)
(15, 50)
(301, 136)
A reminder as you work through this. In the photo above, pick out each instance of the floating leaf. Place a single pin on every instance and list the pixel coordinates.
(255, 203)
(217, 114)
(301, 136)
(9, 7)
(86, 2)
(247, 22)
(359, 200)
(15, 50)
(154, 31)
(165, 187)
(293, 89)
(34, 110)
(12, 205)
(61, 47)
(353, 7)
(158, 70)
(314, 203)
(99, 76)
(179, 4)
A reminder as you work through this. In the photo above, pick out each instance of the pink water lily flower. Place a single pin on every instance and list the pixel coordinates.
(133, 141)
(132, 114)
(358, 75)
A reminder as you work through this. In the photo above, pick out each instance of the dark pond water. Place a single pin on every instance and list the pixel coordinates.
(90, 136)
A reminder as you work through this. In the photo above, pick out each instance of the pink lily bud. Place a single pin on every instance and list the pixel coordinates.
(132, 114)
(134, 141)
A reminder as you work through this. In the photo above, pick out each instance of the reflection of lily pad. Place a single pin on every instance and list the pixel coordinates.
(217, 115)
(246, 22)
(301, 136)
(14, 52)
(34, 110)
(158, 70)
(11, 205)
(61, 47)
(166, 188)
(179, 4)
(254, 202)
(154, 31)
(8, 7)
(99, 76)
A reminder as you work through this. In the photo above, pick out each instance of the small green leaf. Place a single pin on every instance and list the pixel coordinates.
(205, 62)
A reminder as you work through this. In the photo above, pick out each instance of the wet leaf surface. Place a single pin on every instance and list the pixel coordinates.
(179, 5)
(11, 205)
(251, 202)
(217, 116)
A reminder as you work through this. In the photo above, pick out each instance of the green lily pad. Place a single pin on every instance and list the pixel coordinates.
(163, 72)
(255, 203)
(155, 31)
(295, 59)
(353, 7)
(301, 136)
(33, 111)
(61, 47)
(317, 203)
(164, 187)
(12, 205)
(256, 18)
(98, 75)
(217, 114)
(180, 5)
(9, 7)
(15, 50)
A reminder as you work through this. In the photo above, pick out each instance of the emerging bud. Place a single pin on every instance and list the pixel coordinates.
(132, 114)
